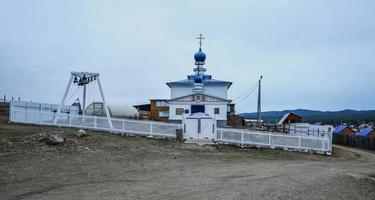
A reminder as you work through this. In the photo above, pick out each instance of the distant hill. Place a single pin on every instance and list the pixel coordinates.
(312, 116)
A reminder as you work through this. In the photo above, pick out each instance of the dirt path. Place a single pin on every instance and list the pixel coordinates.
(104, 166)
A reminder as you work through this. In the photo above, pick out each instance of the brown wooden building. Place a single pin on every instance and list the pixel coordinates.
(367, 132)
(159, 110)
(290, 118)
(343, 130)
(235, 121)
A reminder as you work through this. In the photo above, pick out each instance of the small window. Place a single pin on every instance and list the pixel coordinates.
(164, 114)
(179, 111)
(216, 111)
(161, 103)
(187, 111)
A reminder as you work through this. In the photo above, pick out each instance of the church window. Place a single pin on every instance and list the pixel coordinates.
(179, 111)
(216, 111)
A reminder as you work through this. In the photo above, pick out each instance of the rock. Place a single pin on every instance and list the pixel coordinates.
(54, 139)
(81, 133)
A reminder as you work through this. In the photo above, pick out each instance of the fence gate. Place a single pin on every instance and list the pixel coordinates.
(199, 126)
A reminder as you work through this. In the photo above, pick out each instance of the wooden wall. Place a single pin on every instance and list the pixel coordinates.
(347, 131)
(355, 141)
(154, 112)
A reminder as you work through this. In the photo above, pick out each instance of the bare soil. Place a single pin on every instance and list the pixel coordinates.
(108, 166)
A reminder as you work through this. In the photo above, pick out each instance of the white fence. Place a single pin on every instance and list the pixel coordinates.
(297, 141)
(42, 107)
(136, 127)
(315, 138)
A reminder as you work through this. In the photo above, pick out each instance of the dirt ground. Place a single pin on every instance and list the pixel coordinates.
(107, 166)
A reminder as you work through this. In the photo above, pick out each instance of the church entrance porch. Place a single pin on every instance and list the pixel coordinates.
(199, 126)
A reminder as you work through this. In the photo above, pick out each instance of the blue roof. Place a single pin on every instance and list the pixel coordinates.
(365, 132)
(339, 129)
(206, 80)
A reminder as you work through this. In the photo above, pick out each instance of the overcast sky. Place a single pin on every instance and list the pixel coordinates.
(313, 54)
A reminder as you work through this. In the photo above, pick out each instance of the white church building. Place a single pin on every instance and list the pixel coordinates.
(199, 95)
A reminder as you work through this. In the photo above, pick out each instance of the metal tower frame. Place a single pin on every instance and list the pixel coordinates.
(84, 79)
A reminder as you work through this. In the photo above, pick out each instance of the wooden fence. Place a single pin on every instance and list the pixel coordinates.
(355, 141)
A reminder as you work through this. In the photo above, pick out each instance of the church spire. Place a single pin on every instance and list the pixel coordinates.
(199, 58)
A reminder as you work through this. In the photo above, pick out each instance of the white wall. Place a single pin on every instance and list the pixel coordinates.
(218, 91)
(172, 111)
(209, 109)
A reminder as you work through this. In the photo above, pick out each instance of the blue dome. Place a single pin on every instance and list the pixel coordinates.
(200, 56)
(198, 79)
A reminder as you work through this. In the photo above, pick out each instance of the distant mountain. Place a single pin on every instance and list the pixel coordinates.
(312, 116)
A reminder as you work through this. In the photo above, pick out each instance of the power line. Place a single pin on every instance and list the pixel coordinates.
(244, 98)
(246, 94)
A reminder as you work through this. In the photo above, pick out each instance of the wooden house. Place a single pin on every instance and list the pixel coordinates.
(290, 118)
(367, 132)
(343, 130)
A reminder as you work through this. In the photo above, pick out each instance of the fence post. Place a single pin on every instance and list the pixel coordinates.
(95, 122)
(40, 117)
(123, 126)
(299, 141)
(221, 134)
(69, 120)
(242, 138)
(10, 112)
(26, 112)
(151, 128)
(269, 139)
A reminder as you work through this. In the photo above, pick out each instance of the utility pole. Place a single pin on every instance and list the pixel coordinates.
(259, 109)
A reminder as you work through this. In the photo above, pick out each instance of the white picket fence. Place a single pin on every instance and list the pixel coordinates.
(127, 126)
(315, 138)
(296, 141)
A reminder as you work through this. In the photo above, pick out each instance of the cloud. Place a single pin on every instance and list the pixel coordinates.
(313, 54)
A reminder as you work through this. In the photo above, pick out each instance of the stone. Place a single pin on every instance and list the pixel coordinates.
(54, 139)
(81, 133)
